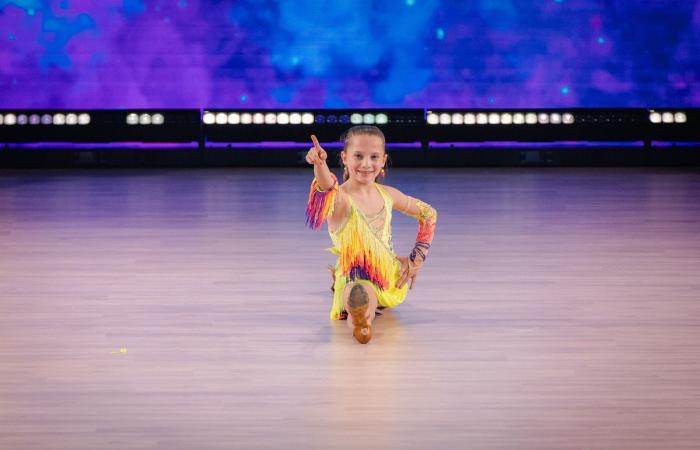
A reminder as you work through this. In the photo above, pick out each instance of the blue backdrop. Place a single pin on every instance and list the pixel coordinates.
(351, 53)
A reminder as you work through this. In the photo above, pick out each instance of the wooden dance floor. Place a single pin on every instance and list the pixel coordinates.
(188, 309)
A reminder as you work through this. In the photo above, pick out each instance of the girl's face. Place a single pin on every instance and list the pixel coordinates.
(364, 157)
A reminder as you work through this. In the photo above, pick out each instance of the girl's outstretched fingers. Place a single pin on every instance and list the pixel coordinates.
(321, 154)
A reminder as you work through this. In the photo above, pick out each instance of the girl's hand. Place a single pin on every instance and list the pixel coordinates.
(316, 154)
(409, 272)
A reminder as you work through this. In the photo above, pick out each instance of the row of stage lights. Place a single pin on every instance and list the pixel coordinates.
(291, 118)
(45, 119)
(308, 118)
(667, 117)
(74, 119)
(495, 118)
(145, 119)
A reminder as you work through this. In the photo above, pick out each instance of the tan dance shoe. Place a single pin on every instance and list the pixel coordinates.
(358, 304)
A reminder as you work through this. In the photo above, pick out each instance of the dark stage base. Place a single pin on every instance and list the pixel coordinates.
(475, 155)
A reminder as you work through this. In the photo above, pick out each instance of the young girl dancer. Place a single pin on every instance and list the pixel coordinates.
(368, 274)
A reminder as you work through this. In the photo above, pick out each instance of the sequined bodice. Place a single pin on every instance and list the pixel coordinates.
(379, 223)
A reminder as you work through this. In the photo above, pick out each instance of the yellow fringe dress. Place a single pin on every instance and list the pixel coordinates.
(366, 255)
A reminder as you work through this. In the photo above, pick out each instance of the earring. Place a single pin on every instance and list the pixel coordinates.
(345, 170)
(382, 173)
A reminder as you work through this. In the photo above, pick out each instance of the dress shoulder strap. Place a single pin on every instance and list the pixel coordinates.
(388, 200)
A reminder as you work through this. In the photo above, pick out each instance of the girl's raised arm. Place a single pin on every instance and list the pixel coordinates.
(323, 194)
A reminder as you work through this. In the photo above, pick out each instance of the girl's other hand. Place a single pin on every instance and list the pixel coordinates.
(316, 154)
(409, 272)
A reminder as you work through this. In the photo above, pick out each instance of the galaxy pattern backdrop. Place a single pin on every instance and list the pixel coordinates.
(349, 53)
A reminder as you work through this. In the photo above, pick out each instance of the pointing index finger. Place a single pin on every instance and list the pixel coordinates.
(315, 141)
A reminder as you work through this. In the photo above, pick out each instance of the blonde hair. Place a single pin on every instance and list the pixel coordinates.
(361, 130)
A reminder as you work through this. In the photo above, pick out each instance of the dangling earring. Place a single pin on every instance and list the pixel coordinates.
(345, 171)
(382, 173)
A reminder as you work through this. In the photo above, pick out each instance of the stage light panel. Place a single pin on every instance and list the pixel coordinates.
(307, 118)
(283, 118)
(157, 119)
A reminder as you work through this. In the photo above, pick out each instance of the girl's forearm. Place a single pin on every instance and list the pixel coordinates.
(324, 176)
(427, 219)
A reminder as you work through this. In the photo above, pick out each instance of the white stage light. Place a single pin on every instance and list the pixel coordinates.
(382, 119)
(84, 119)
(469, 118)
(445, 119)
(283, 118)
(34, 119)
(58, 119)
(145, 119)
(368, 119)
(555, 118)
(158, 119)
(258, 118)
(506, 118)
(667, 117)
(22, 119)
(46, 119)
(457, 119)
(246, 118)
(270, 118)
(482, 119)
(208, 119)
(530, 118)
(233, 118)
(71, 119)
(494, 119)
(295, 118)
(568, 118)
(680, 117)
(433, 119)
(221, 118)
(518, 118)
(543, 118)
(307, 118)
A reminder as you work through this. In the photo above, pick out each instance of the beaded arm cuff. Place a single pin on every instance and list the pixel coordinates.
(427, 218)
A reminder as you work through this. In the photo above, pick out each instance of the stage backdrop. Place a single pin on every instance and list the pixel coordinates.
(349, 53)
